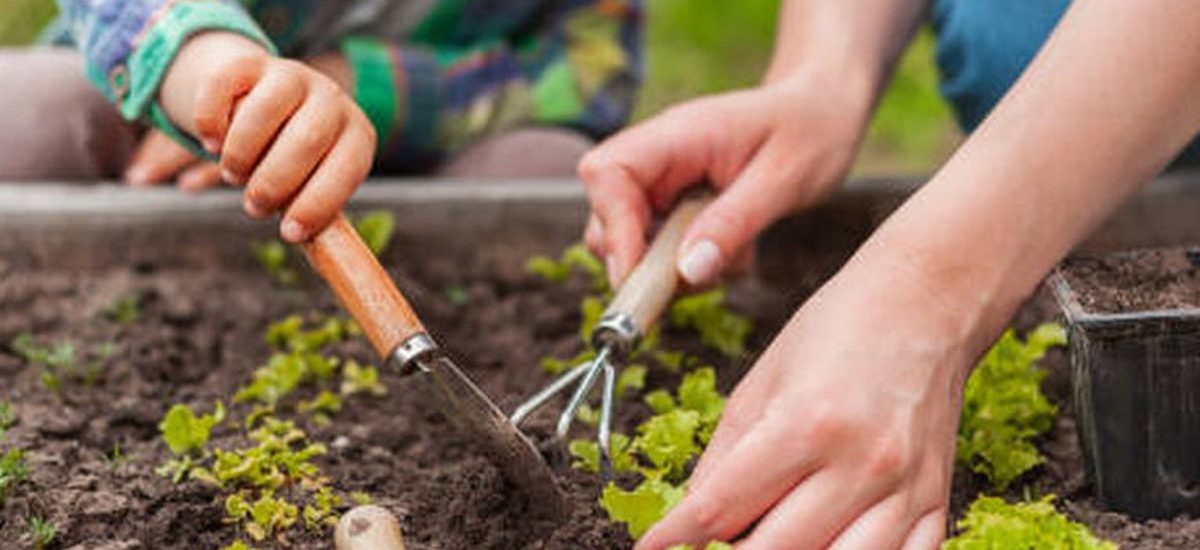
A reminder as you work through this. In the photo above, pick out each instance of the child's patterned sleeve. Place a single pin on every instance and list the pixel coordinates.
(128, 45)
(580, 68)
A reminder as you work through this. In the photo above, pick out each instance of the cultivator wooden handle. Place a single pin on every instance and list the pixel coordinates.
(649, 288)
(341, 257)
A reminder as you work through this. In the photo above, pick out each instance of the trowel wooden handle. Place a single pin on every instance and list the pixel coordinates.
(341, 257)
(649, 288)
(368, 528)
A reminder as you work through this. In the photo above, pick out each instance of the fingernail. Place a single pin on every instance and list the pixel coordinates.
(292, 231)
(137, 176)
(212, 146)
(229, 178)
(701, 263)
(253, 209)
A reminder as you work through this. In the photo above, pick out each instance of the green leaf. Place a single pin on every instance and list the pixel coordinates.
(669, 440)
(125, 310)
(548, 269)
(185, 433)
(42, 532)
(660, 401)
(13, 471)
(554, 365)
(8, 418)
(376, 228)
(575, 257)
(633, 378)
(273, 257)
(237, 545)
(719, 328)
(358, 379)
(591, 311)
(1004, 409)
(641, 508)
(698, 392)
(992, 523)
(587, 454)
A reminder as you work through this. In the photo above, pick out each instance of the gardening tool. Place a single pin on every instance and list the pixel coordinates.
(341, 257)
(639, 302)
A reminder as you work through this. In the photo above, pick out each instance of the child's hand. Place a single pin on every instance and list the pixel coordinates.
(285, 131)
(158, 159)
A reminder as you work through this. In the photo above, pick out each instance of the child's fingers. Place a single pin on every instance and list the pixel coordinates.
(331, 185)
(200, 177)
(216, 95)
(308, 135)
(256, 121)
(157, 159)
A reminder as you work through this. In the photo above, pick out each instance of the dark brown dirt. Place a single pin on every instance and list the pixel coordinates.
(1143, 280)
(200, 337)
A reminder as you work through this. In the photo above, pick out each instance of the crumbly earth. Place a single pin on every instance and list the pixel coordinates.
(1142, 280)
(199, 337)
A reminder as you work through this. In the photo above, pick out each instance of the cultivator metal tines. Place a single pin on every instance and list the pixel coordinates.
(644, 295)
(615, 335)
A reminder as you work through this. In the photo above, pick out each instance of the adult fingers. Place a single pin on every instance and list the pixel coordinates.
(215, 98)
(202, 176)
(302, 143)
(742, 411)
(770, 186)
(885, 527)
(331, 184)
(764, 465)
(928, 533)
(620, 206)
(593, 236)
(157, 159)
(814, 512)
(257, 120)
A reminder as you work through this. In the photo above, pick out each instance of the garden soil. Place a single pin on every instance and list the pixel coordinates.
(200, 336)
(1142, 280)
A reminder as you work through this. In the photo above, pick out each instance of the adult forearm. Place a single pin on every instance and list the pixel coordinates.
(1106, 104)
(859, 40)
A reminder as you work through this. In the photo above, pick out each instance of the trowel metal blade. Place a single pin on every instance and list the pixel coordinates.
(508, 448)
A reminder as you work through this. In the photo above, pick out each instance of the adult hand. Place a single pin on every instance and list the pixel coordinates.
(842, 435)
(769, 150)
(159, 159)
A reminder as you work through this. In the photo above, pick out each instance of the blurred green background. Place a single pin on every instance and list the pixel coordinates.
(695, 47)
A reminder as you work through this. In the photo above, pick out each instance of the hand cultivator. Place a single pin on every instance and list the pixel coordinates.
(639, 302)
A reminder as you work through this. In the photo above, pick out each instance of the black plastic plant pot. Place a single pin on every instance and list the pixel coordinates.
(1136, 378)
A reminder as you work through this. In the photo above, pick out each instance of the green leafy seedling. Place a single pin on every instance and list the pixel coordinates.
(273, 257)
(42, 532)
(237, 545)
(322, 513)
(187, 436)
(125, 310)
(376, 228)
(575, 257)
(13, 471)
(1004, 410)
(8, 418)
(642, 507)
(719, 328)
(358, 379)
(993, 523)
(587, 454)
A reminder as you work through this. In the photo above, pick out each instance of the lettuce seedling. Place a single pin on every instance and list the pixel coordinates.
(642, 507)
(322, 512)
(632, 378)
(8, 418)
(42, 533)
(587, 454)
(13, 471)
(575, 257)
(125, 310)
(719, 328)
(669, 440)
(358, 379)
(237, 545)
(376, 229)
(321, 407)
(273, 257)
(263, 517)
(187, 436)
(1004, 409)
(993, 523)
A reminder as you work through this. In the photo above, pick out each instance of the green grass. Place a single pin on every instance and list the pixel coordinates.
(702, 47)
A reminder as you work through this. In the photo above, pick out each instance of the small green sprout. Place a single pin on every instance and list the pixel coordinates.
(322, 513)
(8, 418)
(642, 507)
(125, 310)
(376, 228)
(187, 436)
(993, 523)
(358, 379)
(719, 328)
(574, 257)
(262, 518)
(13, 471)
(321, 407)
(360, 498)
(587, 454)
(273, 257)
(42, 532)
(237, 545)
(632, 378)
(457, 295)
